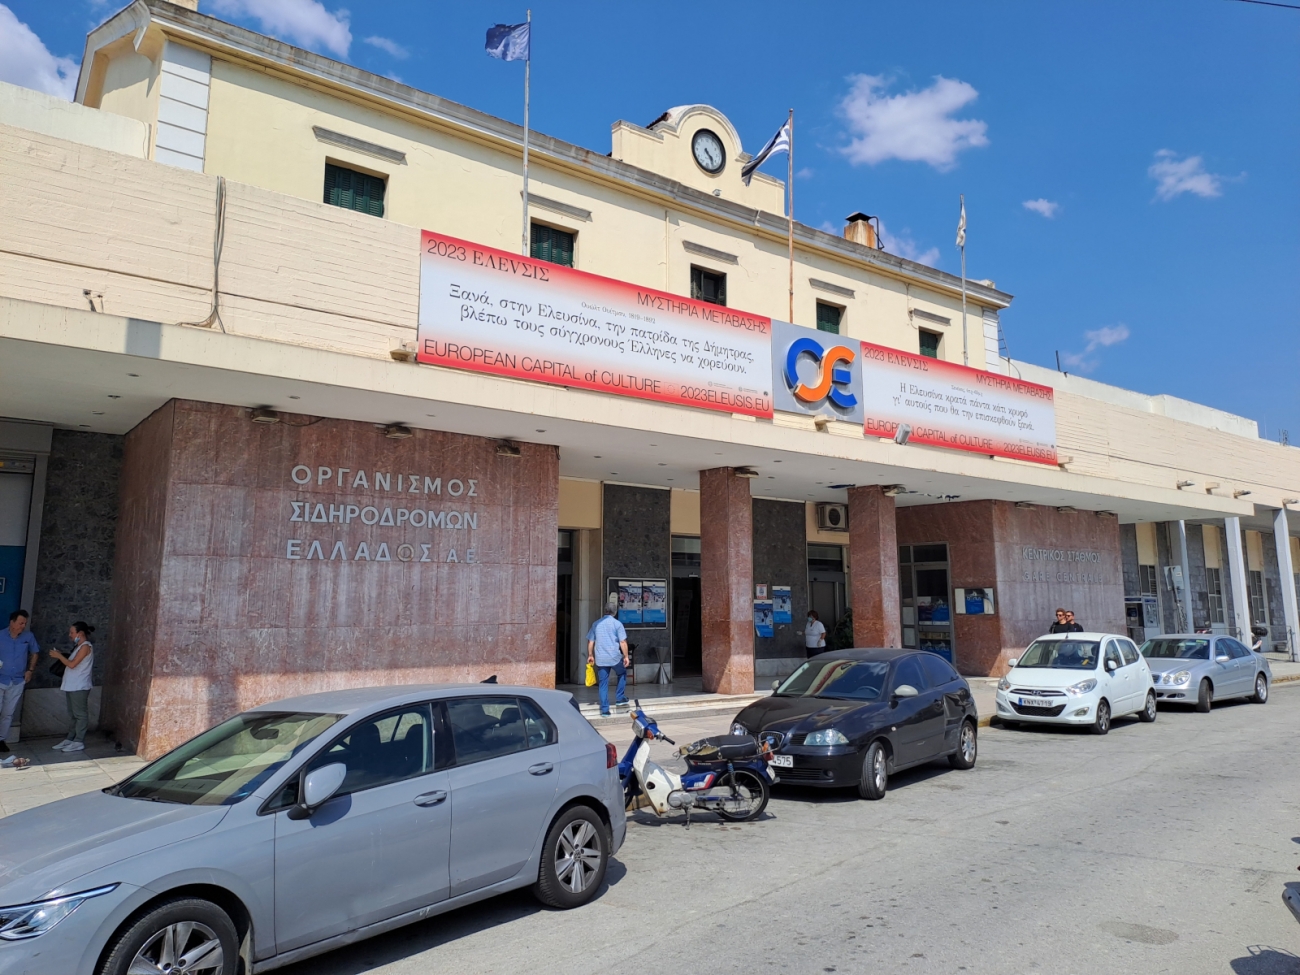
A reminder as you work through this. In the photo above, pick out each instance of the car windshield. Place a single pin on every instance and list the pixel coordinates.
(857, 680)
(1177, 649)
(1061, 654)
(227, 763)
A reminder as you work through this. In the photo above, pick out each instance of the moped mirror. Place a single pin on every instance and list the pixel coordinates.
(905, 690)
(1221, 658)
(318, 786)
(1013, 661)
(1111, 665)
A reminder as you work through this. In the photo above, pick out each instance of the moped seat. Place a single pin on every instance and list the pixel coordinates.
(722, 748)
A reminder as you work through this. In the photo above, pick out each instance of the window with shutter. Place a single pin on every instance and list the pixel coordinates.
(352, 190)
(708, 286)
(549, 244)
(930, 343)
(828, 317)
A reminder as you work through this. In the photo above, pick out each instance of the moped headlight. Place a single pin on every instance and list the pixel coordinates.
(23, 921)
(1182, 677)
(829, 736)
(1083, 687)
(738, 729)
(1004, 684)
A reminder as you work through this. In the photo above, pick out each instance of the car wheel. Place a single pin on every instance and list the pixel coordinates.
(188, 936)
(1204, 697)
(1102, 723)
(1148, 713)
(1261, 690)
(875, 772)
(967, 747)
(573, 860)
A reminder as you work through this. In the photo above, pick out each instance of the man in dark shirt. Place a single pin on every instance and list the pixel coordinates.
(1060, 626)
(1070, 624)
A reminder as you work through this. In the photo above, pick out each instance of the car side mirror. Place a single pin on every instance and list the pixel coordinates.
(1013, 661)
(1221, 658)
(905, 690)
(1111, 666)
(318, 787)
(775, 684)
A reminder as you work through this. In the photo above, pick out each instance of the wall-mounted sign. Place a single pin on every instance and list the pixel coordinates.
(641, 602)
(760, 590)
(948, 405)
(816, 373)
(491, 311)
(782, 605)
(973, 602)
(763, 618)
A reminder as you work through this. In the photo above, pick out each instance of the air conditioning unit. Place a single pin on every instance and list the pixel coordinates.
(832, 517)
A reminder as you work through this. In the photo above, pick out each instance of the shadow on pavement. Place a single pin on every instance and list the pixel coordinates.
(1263, 960)
(385, 949)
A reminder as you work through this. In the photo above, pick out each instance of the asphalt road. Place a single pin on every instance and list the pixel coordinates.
(1158, 848)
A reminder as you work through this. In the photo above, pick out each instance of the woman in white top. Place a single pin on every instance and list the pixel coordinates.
(76, 685)
(814, 634)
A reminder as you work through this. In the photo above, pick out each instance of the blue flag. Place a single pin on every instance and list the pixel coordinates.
(509, 42)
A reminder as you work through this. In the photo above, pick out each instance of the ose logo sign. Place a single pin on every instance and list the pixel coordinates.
(816, 373)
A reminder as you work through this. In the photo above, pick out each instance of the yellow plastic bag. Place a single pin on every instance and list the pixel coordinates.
(591, 675)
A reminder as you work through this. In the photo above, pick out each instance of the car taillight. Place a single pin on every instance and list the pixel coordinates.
(611, 755)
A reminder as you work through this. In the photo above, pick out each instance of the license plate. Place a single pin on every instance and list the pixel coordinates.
(783, 761)
(1037, 702)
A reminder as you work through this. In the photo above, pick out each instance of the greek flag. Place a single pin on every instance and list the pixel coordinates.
(509, 42)
(778, 143)
(961, 224)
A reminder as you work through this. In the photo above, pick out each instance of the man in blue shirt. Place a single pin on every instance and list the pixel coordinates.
(18, 655)
(607, 649)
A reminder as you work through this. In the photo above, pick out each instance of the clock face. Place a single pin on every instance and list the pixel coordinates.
(707, 148)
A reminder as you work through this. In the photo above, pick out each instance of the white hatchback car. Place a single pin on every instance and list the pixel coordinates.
(1078, 679)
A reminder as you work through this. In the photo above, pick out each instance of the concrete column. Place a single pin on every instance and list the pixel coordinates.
(1286, 569)
(873, 542)
(1189, 624)
(727, 581)
(1237, 577)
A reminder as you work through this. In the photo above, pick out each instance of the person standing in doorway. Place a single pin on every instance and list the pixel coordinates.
(814, 634)
(18, 655)
(607, 649)
(76, 685)
(1071, 625)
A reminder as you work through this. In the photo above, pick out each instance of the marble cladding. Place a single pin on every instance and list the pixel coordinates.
(636, 544)
(74, 569)
(726, 581)
(781, 559)
(234, 587)
(873, 544)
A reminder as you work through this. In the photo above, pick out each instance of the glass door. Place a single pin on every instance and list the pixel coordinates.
(926, 596)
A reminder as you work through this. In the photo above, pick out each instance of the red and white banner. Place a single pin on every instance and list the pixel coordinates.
(948, 405)
(491, 311)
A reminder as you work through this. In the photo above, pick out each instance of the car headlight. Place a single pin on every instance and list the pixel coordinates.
(738, 729)
(1004, 684)
(25, 921)
(1083, 687)
(1182, 677)
(828, 737)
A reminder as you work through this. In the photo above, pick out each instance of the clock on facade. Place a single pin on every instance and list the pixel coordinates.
(707, 148)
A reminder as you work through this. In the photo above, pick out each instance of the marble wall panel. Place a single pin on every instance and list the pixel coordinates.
(726, 581)
(781, 559)
(637, 544)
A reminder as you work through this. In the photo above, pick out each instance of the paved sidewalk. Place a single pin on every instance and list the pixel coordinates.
(53, 775)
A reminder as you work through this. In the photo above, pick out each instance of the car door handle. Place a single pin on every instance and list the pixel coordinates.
(541, 768)
(431, 798)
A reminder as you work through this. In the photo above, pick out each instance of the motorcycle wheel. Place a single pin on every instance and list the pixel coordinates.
(750, 785)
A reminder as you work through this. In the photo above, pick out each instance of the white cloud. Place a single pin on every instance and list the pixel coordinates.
(805, 173)
(1099, 338)
(1176, 176)
(26, 61)
(905, 246)
(304, 22)
(915, 126)
(1047, 208)
(391, 46)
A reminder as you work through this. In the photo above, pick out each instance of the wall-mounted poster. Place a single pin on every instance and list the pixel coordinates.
(629, 602)
(973, 602)
(654, 602)
(782, 607)
(763, 618)
(760, 590)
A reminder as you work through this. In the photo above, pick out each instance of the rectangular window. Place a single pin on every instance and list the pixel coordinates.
(1214, 588)
(351, 190)
(1147, 580)
(929, 343)
(828, 317)
(708, 286)
(1255, 583)
(549, 244)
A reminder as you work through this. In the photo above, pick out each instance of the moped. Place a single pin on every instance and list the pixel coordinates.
(728, 775)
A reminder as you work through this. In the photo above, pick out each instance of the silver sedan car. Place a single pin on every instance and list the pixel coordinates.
(1201, 668)
(311, 823)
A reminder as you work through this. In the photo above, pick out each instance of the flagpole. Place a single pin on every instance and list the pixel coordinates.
(965, 345)
(790, 211)
(528, 64)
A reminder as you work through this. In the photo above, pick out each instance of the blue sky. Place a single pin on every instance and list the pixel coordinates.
(1156, 142)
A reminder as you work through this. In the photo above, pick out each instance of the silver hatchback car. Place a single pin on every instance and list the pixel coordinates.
(310, 823)
(1201, 668)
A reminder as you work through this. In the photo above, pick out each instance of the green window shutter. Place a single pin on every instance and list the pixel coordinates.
(930, 344)
(351, 190)
(828, 317)
(549, 244)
